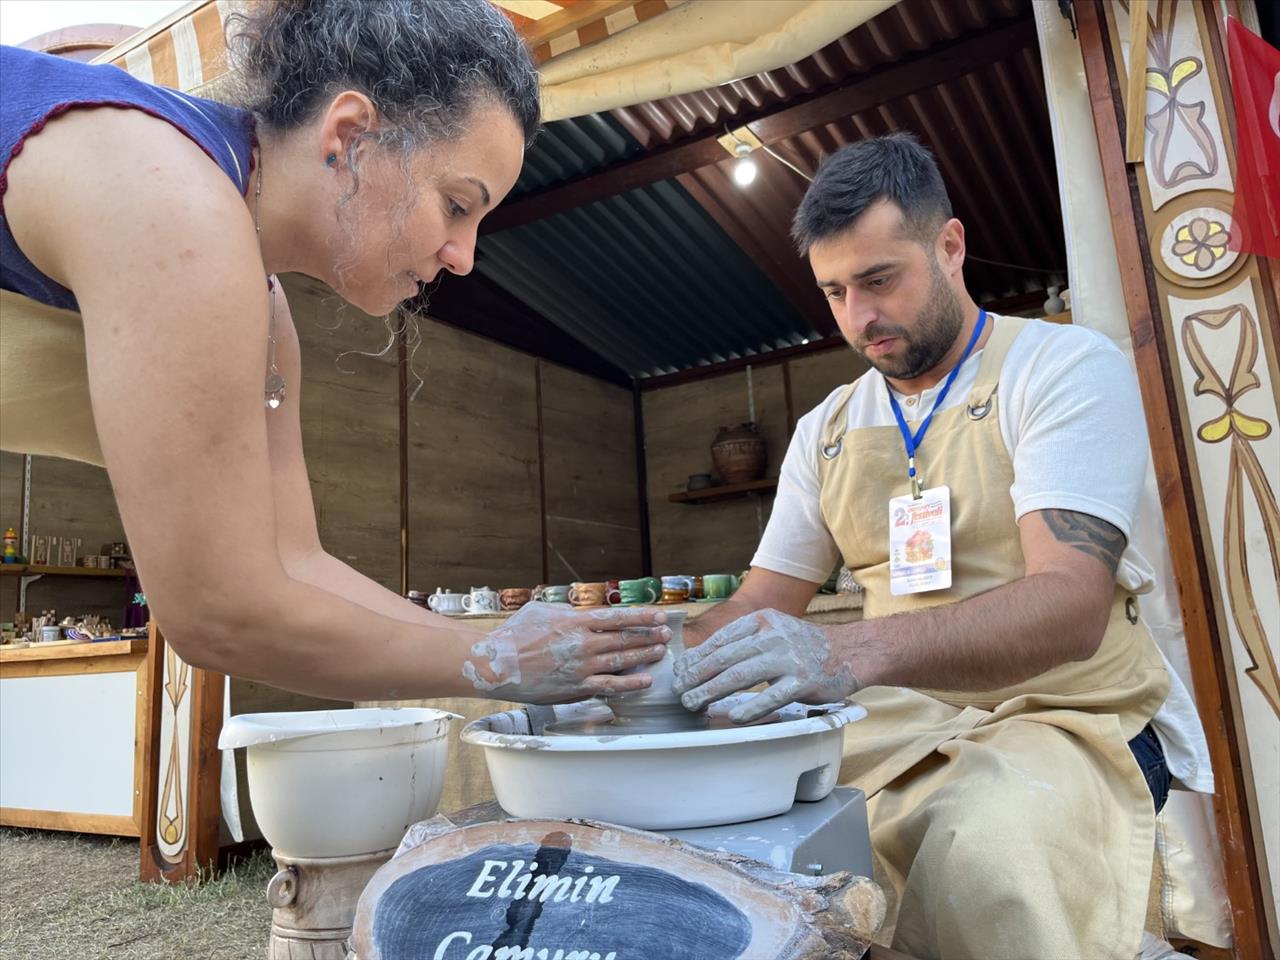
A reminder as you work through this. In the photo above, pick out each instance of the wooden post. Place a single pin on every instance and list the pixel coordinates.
(181, 788)
(1149, 282)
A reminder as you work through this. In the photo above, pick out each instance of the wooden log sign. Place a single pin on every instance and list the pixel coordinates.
(577, 890)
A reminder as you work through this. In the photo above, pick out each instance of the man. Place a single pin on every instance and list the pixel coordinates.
(980, 481)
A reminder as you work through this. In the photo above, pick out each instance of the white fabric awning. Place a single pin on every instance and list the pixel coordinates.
(593, 54)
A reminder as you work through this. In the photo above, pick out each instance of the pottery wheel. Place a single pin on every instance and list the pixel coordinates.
(618, 719)
(582, 761)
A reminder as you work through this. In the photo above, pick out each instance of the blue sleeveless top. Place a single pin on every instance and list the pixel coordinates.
(37, 87)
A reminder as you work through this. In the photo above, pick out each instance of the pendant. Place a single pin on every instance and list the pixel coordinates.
(273, 390)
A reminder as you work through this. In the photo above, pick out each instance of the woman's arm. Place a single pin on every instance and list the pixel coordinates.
(297, 538)
(161, 252)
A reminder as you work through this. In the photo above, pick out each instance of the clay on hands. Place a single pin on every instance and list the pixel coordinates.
(794, 657)
(549, 653)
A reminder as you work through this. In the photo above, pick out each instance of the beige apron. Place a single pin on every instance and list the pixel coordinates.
(44, 383)
(1009, 823)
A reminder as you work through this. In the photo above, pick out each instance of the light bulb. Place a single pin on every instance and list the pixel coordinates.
(744, 172)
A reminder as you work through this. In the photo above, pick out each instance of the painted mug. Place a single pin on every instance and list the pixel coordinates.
(719, 586)
(676, 589)
(513, 598)
(645, 590)
(588, 594)
(613, 592)
(554, 594)
(481, 600)
(442, 601)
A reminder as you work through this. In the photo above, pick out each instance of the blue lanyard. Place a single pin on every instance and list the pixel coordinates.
(913, 441)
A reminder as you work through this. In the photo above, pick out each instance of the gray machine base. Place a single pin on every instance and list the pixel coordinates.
(814, 838)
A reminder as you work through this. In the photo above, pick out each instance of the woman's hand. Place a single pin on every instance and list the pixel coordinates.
(550, 653)
(796, 658)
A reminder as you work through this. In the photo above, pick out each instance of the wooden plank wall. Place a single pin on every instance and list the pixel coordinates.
(10, 516)
(68, 499)
(680, 423)
(473, 465)
(475, 479)
(350, 429)
(589, 462)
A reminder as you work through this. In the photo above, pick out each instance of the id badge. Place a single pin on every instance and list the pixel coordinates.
(920, 542)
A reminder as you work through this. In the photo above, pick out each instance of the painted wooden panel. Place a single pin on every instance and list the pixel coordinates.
(589, 465)
(473, 465)
(1232, 427)
(1183, 149)
(1216, 319)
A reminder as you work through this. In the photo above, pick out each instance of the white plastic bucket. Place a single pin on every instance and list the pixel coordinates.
(338, 783)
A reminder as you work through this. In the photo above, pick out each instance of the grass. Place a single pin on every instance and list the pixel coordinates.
(66, 896)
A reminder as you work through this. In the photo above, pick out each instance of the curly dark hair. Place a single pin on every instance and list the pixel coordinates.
(425, 64)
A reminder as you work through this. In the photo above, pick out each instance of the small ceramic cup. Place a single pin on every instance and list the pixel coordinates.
(640, 591)
(555, 594)
(676, 589)
(613, 591)
(659, 694)
(481, 600)
(513, 598)
(588, 594)
(719, 586)
(442, 601)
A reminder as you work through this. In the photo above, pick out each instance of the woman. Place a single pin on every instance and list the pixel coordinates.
(149, 223)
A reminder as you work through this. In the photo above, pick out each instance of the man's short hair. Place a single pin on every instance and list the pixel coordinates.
(896, 168)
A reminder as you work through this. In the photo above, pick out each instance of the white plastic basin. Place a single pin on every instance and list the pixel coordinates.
(337, 783)
(664, 781)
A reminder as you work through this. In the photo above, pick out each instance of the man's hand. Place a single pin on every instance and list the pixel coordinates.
(797, 660)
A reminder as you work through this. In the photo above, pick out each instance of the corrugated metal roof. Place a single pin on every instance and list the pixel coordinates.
(669, 276)
(647, 280)
(989, 131)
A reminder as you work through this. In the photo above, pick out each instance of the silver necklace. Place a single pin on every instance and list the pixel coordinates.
(273, 386)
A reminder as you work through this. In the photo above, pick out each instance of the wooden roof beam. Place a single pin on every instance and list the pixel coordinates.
(895, 81)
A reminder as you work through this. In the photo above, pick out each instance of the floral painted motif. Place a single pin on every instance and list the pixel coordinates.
(1201, 243)
(1246, 480)
(1181, 147)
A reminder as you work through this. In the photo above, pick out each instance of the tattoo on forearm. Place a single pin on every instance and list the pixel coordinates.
(1087, 534)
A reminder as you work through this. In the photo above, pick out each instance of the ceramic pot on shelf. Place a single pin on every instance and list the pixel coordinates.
(739, 453)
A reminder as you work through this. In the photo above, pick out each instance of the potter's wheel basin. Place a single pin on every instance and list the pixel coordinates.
(662, 781)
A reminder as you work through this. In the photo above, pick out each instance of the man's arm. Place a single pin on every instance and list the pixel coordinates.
(1057, 612)
(761, 590)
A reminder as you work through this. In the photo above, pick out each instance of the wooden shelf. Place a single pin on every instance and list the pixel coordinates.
(726, 491)
(70, 651)
(41, 570)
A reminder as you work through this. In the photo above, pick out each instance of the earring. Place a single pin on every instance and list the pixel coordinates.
(331, 160)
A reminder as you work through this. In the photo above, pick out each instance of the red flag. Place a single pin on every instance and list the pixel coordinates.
(1255, 82)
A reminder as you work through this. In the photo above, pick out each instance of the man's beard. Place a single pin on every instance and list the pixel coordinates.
(937, 326)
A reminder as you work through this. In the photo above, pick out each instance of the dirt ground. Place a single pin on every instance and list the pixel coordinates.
(66, 896)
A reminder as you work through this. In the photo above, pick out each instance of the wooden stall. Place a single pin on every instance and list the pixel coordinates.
(84, 704)
(629, 300)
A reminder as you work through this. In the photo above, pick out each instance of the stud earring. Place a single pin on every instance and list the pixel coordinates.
(331, 160)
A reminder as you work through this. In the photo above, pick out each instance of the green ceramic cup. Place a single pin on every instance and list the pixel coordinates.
(643, 590)
(555, 594)
(718, 586)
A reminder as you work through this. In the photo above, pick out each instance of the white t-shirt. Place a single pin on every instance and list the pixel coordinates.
(1072, 421)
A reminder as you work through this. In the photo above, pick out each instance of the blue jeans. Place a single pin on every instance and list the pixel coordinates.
(1150, 756)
